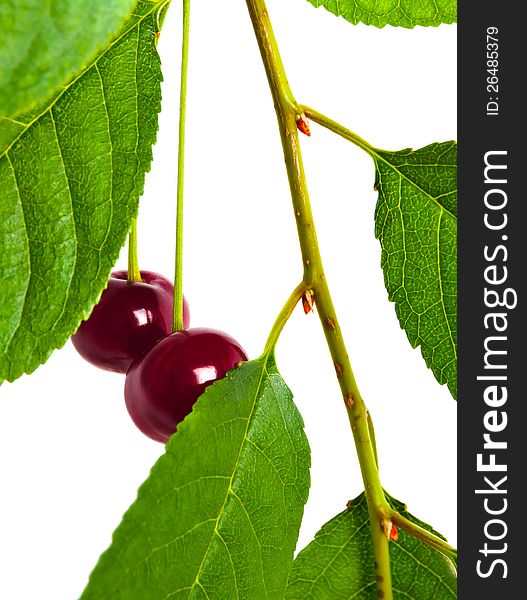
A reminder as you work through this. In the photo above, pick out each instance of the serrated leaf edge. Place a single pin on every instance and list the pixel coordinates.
(376, 156)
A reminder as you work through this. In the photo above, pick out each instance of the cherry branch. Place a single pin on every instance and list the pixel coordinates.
(288, 113)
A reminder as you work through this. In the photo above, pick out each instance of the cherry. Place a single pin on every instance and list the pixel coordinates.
(128, 320)
(162, 387)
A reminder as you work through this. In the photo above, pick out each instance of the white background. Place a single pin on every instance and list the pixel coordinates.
(70, 458)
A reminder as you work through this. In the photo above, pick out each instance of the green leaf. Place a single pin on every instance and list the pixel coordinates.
(71, 173)
(45, 43)
(416, 223)
(339, 565)
(400, 13)
(219, 515)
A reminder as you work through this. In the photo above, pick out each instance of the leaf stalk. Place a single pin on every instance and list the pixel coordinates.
(425, 536)
(283, 317)
(339, 129)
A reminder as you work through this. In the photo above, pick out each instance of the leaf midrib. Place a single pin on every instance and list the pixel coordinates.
(221, 513)
(341, 550)
(73, 222)
(81, 73)
(229, 488)
(440, 271)
(375, 155)
(23, 303)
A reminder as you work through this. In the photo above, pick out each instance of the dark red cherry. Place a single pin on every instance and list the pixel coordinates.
(162, 387)
(128, 320)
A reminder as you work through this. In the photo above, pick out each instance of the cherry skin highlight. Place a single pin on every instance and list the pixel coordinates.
(161, 388)
(128, 320)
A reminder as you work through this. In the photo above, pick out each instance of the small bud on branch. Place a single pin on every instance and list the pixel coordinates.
(308, 301)
(303, 125)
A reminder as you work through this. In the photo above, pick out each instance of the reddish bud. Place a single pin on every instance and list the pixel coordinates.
(303, 125)
(394, 534)
(390, 530)
(308, 301)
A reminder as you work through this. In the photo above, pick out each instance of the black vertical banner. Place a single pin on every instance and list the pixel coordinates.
(492, 293)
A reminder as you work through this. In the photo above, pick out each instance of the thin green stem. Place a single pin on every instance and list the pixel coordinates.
(178, 277)
(338, 129)
(134, 274)
(287, 111)
(283, 317)
(424, 535)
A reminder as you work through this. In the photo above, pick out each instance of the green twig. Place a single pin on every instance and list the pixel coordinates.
(288, 112)
(178, 278)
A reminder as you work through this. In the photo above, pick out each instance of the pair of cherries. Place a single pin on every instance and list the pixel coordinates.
(129, 332)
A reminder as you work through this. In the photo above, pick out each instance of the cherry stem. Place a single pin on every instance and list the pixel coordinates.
(287, 111)
(178, 278)
(134, 274)
(283, 317)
